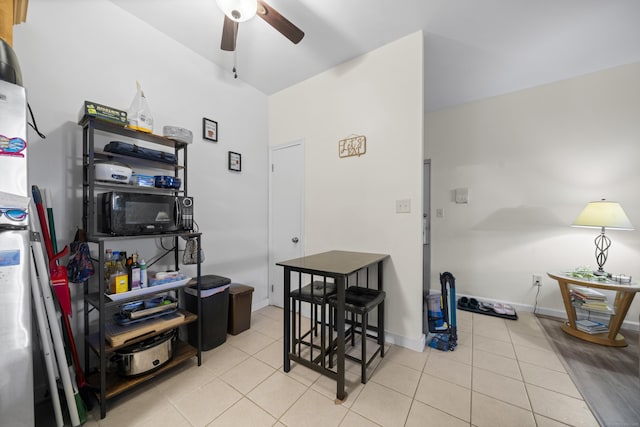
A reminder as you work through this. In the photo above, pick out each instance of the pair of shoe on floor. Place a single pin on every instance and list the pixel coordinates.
(499, 308)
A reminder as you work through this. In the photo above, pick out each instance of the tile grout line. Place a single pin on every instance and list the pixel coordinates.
(524, 384)
(545, 388)
(564, 364)
(413, 397)
(473, 353)
(415, 391)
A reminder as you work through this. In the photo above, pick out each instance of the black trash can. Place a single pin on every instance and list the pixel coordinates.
(239, 308)
(214, 292)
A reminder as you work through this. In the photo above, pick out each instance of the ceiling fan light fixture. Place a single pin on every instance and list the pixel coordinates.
(238, 10)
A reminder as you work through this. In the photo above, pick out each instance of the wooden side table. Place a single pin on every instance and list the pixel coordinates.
(623, 299)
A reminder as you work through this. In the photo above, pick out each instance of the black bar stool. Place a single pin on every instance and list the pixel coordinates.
(361, 301)
(315, 293)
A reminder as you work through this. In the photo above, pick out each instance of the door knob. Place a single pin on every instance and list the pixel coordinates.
(294, 240)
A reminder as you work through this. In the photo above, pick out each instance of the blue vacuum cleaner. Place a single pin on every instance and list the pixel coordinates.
(446, 338)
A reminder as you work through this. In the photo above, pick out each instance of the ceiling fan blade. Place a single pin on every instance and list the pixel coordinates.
(279, 22)
(229, 34)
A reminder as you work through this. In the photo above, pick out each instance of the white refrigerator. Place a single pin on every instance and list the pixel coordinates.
(16, 354)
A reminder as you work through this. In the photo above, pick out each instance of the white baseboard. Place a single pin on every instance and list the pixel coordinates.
(561, 314)
(419, 344)
(257, 305)
(411, 344)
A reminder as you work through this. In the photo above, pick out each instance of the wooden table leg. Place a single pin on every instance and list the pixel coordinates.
(621, 306)
(566, 299)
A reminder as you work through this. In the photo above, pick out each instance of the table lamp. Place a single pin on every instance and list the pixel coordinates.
(603, 214)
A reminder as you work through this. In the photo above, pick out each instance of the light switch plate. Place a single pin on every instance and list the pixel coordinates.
(403, 206)
(462, 195)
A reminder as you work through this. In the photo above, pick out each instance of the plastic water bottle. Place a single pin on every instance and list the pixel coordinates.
(143, 274)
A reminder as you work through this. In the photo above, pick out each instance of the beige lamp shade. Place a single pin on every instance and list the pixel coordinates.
(603, 213)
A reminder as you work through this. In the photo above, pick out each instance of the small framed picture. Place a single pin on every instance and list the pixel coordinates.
(235, 161)
(209, 129)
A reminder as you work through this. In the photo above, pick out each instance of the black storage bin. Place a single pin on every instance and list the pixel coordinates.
(239, 308)
(214, 292)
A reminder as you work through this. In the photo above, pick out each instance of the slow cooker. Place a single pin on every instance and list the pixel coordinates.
(145, 356)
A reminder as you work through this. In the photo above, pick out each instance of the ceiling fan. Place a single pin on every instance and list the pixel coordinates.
(236, 11)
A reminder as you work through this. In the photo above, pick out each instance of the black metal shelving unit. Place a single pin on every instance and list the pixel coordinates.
(105, 384)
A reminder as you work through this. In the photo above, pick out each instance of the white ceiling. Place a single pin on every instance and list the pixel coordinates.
(473, 49)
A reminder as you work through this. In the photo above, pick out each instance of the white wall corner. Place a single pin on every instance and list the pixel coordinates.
(412, 344)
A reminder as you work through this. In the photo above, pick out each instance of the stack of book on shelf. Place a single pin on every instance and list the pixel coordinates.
(591, 327)
(590, 299)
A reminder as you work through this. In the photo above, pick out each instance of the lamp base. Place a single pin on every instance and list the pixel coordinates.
(602, 250)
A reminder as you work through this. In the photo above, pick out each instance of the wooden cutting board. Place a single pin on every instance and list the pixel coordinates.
(118, 335)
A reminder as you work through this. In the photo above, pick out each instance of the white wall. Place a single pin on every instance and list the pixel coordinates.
(532, 160)
(71, 51)
(350, 202)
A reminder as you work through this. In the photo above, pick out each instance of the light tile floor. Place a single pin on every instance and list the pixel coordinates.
(503, 373)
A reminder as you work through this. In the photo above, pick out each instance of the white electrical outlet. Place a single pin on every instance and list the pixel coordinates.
(537, 280)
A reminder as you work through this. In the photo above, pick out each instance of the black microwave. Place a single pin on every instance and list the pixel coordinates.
(122, 214)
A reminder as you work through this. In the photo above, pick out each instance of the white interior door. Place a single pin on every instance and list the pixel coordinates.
(286, 214)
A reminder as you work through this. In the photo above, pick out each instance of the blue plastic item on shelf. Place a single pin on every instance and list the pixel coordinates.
(166, 181)
(154, 281)
(133, 150)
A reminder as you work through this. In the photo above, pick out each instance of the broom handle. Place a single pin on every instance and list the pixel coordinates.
(37, 199)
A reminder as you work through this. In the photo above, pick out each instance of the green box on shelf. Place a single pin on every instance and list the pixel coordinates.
(102, 112)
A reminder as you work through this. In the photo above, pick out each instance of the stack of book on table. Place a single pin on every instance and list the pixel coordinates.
(591, 327)
(590, 299)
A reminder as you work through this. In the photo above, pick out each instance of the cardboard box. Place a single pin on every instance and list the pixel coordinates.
(102, 112)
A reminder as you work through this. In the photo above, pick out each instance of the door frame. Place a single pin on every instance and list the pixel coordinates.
(426, 248)
(271, 261)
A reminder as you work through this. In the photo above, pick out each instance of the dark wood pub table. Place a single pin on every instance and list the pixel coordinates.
(338, 265)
